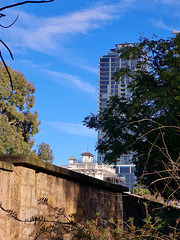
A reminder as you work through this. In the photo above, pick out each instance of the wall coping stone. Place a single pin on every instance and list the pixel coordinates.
(41, 166)
(155, 201)
(6, 166)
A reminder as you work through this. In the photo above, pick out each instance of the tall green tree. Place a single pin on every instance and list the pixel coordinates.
(147, 125)
(45, 153)
(18, 123)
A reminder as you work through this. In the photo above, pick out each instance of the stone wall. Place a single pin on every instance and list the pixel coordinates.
(23, 181)
(134, 206)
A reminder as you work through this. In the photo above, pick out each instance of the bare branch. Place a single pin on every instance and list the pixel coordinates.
(11, 23)
(152, 130)
(24, 2)
(3, 15)
(149, 154)
(6, 70)
(7, 49)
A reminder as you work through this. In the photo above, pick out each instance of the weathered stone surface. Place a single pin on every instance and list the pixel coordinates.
(15, 231)
(6, 166)
(29, 181)
(3, 234)
(28, 176)
(27, 230)
(15, 194)
(25, 196)
(2, 222)
(4, 185)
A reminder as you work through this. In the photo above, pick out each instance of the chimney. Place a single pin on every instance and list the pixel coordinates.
(71, 160)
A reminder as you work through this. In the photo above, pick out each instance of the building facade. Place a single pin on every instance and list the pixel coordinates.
(88, 167)
(108, 65)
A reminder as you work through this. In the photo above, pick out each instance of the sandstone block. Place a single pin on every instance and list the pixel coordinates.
(25, 195)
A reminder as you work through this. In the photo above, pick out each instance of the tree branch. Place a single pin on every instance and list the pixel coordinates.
(24, 2)
(11, 23)
(6, 70)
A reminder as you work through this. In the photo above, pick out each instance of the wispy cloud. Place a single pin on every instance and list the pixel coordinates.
(160, 24)
(73, 81)
(73, 128)
(77, 61)
(43, 34)
(154, 2)
(69, 80)
(46, 34)
(171, 2)
(50, 35)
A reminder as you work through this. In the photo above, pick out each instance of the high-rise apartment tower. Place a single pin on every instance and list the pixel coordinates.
(108, 65)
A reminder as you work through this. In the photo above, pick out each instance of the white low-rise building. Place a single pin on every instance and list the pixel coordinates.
(89, 167)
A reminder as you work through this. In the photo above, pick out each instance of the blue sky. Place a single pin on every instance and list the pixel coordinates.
(57, 46)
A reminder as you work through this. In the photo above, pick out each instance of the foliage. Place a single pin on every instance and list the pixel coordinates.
(18, 124)
(45, 153)
(58, 226)
(148, 124)
(141, 191)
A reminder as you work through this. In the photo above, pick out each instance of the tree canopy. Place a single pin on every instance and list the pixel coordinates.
(18, 123)
(148, 124)
(45, 153)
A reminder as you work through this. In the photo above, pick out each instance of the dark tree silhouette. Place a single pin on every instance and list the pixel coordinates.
(148, 124)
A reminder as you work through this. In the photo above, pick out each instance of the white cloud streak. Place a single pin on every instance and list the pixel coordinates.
(171, 2)
(73, 81)
(160, 24)
(43, 34)
(73, 128)
(46, 34)
(50, 35)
